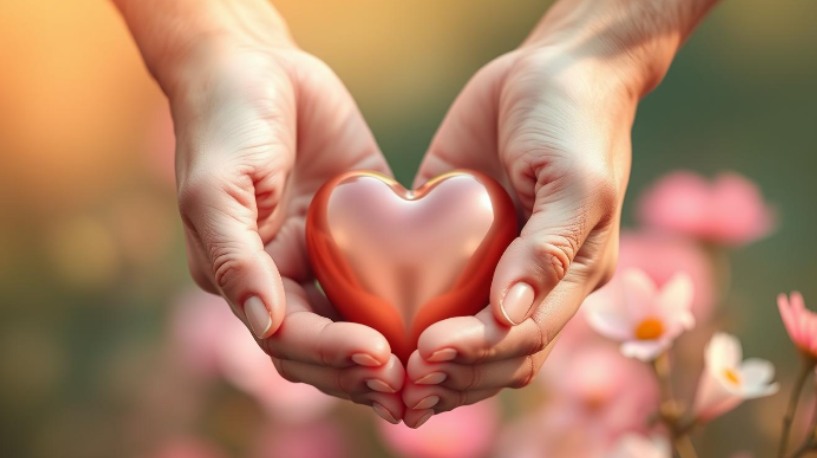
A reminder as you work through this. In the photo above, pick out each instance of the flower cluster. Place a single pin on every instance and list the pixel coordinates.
(608, 390)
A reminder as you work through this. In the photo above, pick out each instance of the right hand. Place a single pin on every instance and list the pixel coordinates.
(259, 129)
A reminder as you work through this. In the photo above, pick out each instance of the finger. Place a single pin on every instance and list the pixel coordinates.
(352, 380)
(310, 338)
(479, 339)
(516, 372)
(544, 253)
(350, 383)
(423, 401)
(219, 212)
(388, 406)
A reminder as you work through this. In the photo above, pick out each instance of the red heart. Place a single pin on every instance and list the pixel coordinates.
(400, 260)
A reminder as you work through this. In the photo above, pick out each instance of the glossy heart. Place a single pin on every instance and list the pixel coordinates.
(400, 260)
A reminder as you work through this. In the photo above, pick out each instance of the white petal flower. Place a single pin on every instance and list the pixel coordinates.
(646, 319)
(727, 380)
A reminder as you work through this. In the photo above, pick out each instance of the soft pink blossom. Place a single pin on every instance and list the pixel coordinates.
(644, 318)
(548, 434)
(461, 433)
(729, 210)
(662, 256)
(210, 339)
(635, 446)
(187, 447)
(727, 380)
(595, 395)
(605, 391)
(800, 322)
(317, 439)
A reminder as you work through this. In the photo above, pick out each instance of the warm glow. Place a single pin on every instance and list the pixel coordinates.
(649, 329)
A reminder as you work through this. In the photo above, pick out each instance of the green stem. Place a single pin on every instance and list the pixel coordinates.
(788, 419)
(684, 446)
(670, 412)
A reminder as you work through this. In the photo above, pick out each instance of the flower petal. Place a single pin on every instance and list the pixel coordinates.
(677, 293)
(712, 397)
(761, 391)
(639, 294)
(609, 323)
(644, 350)
(756, 372)
(787, 314)
(722, 352)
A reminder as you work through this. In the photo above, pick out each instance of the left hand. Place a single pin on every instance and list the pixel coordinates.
(554, 128)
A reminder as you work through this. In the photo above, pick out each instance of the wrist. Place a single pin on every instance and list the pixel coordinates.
(179, 38)
(634, 41)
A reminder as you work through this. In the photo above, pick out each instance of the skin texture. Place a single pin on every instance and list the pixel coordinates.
(260, 125)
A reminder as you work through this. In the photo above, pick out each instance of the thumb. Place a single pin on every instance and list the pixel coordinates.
(220, 216)
(543, 255)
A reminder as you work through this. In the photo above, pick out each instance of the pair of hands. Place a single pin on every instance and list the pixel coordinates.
(261, 125)
(267, 127)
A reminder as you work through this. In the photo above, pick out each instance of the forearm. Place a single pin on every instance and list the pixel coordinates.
(170, 33)
(641, 35)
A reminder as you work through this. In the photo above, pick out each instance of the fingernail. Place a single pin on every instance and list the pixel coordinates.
(365, 360)
(380, 385)
(433, 378)
(383, 413)
(517, 303)
(258, 316)
(446, 354)
(427, 403)
(423, 419)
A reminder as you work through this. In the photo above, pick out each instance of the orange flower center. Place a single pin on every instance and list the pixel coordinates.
(731, 376)
(649, 329)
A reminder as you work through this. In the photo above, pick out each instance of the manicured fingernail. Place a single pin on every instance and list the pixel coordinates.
(383, 413)
(517, 303)
(427, 403)
(446, 354)
(423, 419)
(380, 385)
(433, 378)
(365, 360)
(258, 316)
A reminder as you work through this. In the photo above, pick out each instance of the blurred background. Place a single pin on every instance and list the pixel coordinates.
(93, 360)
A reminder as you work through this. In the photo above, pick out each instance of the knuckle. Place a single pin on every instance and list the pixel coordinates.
(526, 376)
(228, 266)
(555, 253)
(538, 340)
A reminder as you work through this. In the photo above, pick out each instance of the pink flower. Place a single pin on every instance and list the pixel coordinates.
(320, 439)
(729, 211)
(662, 256)
(187, 447)
(801, 323)
(644, 318)
(727, 380)
(635, 446)
(212, 340)
(607, 392)
(461, 433)
(595, 394)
